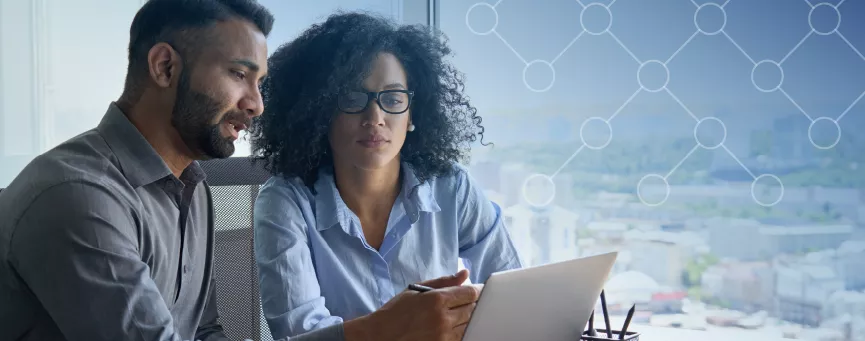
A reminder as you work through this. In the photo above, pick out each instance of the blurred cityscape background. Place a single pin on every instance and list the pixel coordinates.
(712, 248)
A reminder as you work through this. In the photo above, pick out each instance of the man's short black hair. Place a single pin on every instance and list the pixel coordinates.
(183, 24)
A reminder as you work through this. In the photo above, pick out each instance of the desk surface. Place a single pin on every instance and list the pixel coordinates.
(720, 334)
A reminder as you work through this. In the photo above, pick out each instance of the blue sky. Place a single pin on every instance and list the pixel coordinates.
(710, 75)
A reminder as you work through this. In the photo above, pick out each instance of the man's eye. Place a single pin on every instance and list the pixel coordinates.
(239, 75)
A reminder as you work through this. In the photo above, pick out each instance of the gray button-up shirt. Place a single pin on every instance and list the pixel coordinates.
(100, 241)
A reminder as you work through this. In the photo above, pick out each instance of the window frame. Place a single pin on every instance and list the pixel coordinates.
(422, 12)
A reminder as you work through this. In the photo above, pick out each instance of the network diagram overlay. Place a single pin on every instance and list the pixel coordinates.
(599, 9)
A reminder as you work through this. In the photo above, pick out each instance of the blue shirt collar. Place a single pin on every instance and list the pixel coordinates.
(331, 210)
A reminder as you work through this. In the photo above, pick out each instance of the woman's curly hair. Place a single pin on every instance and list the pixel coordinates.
(306, 74)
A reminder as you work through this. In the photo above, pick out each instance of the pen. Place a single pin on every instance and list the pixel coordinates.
(627, 322)
(606, 315)
(419, 288)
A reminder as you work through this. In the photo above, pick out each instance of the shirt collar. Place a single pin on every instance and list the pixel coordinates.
(331, 210)
(418, 197)
(138, 161)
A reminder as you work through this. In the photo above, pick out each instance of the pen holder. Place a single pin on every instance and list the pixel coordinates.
(601, 335)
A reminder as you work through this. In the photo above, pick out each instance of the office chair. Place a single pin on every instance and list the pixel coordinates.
(234, 184)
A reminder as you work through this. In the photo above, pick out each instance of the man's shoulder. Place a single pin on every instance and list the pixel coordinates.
(85, 159)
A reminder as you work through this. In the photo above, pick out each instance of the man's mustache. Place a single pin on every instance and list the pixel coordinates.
(237, 116)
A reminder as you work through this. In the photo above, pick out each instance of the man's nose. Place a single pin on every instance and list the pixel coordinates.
(253, 104)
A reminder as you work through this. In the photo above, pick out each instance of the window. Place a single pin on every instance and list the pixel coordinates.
(62, 62)
(718, 119)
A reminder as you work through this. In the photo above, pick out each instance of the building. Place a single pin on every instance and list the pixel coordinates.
(609, 231)
(798, 238)
(634, 287)
(712, 282)
(802, 289)
(543, 235)
(743, 286)
(845, 303)
(737, 239)
(850, 262)
(511, 179)
(752, 240)
(662, 255)
(790, 140)
(590, 247)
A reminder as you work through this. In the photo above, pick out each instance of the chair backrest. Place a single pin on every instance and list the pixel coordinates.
(234, 184)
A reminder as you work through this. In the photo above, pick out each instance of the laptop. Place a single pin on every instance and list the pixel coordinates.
(550, 302)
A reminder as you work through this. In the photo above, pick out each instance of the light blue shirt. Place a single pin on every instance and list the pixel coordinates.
(316, 268)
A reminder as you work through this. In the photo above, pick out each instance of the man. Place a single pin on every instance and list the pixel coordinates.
(106, 237)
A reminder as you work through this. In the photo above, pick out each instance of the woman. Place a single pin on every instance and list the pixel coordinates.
(363, 128)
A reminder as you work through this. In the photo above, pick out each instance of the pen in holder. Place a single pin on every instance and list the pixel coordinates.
(601, 335)
(607, 333)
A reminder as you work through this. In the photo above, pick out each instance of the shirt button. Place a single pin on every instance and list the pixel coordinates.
(185, 268)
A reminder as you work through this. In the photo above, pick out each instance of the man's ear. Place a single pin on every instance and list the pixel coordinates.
(164, 64)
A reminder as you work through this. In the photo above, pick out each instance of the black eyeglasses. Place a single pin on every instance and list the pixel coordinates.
(391, 101)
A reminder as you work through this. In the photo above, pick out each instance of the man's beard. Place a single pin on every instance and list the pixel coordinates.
(192, 115)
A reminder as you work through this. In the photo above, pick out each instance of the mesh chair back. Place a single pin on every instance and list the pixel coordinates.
(234, 184)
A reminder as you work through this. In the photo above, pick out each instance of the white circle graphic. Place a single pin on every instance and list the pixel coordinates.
(641, 195)
(705, 8)
(754, 190)
(495, 16)
(767, 64)
(539, 63)
(606, 11)
(710, 144)
(823, 6)
(596, 146)
(539, 190)
(811, 133)
(651, 64)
